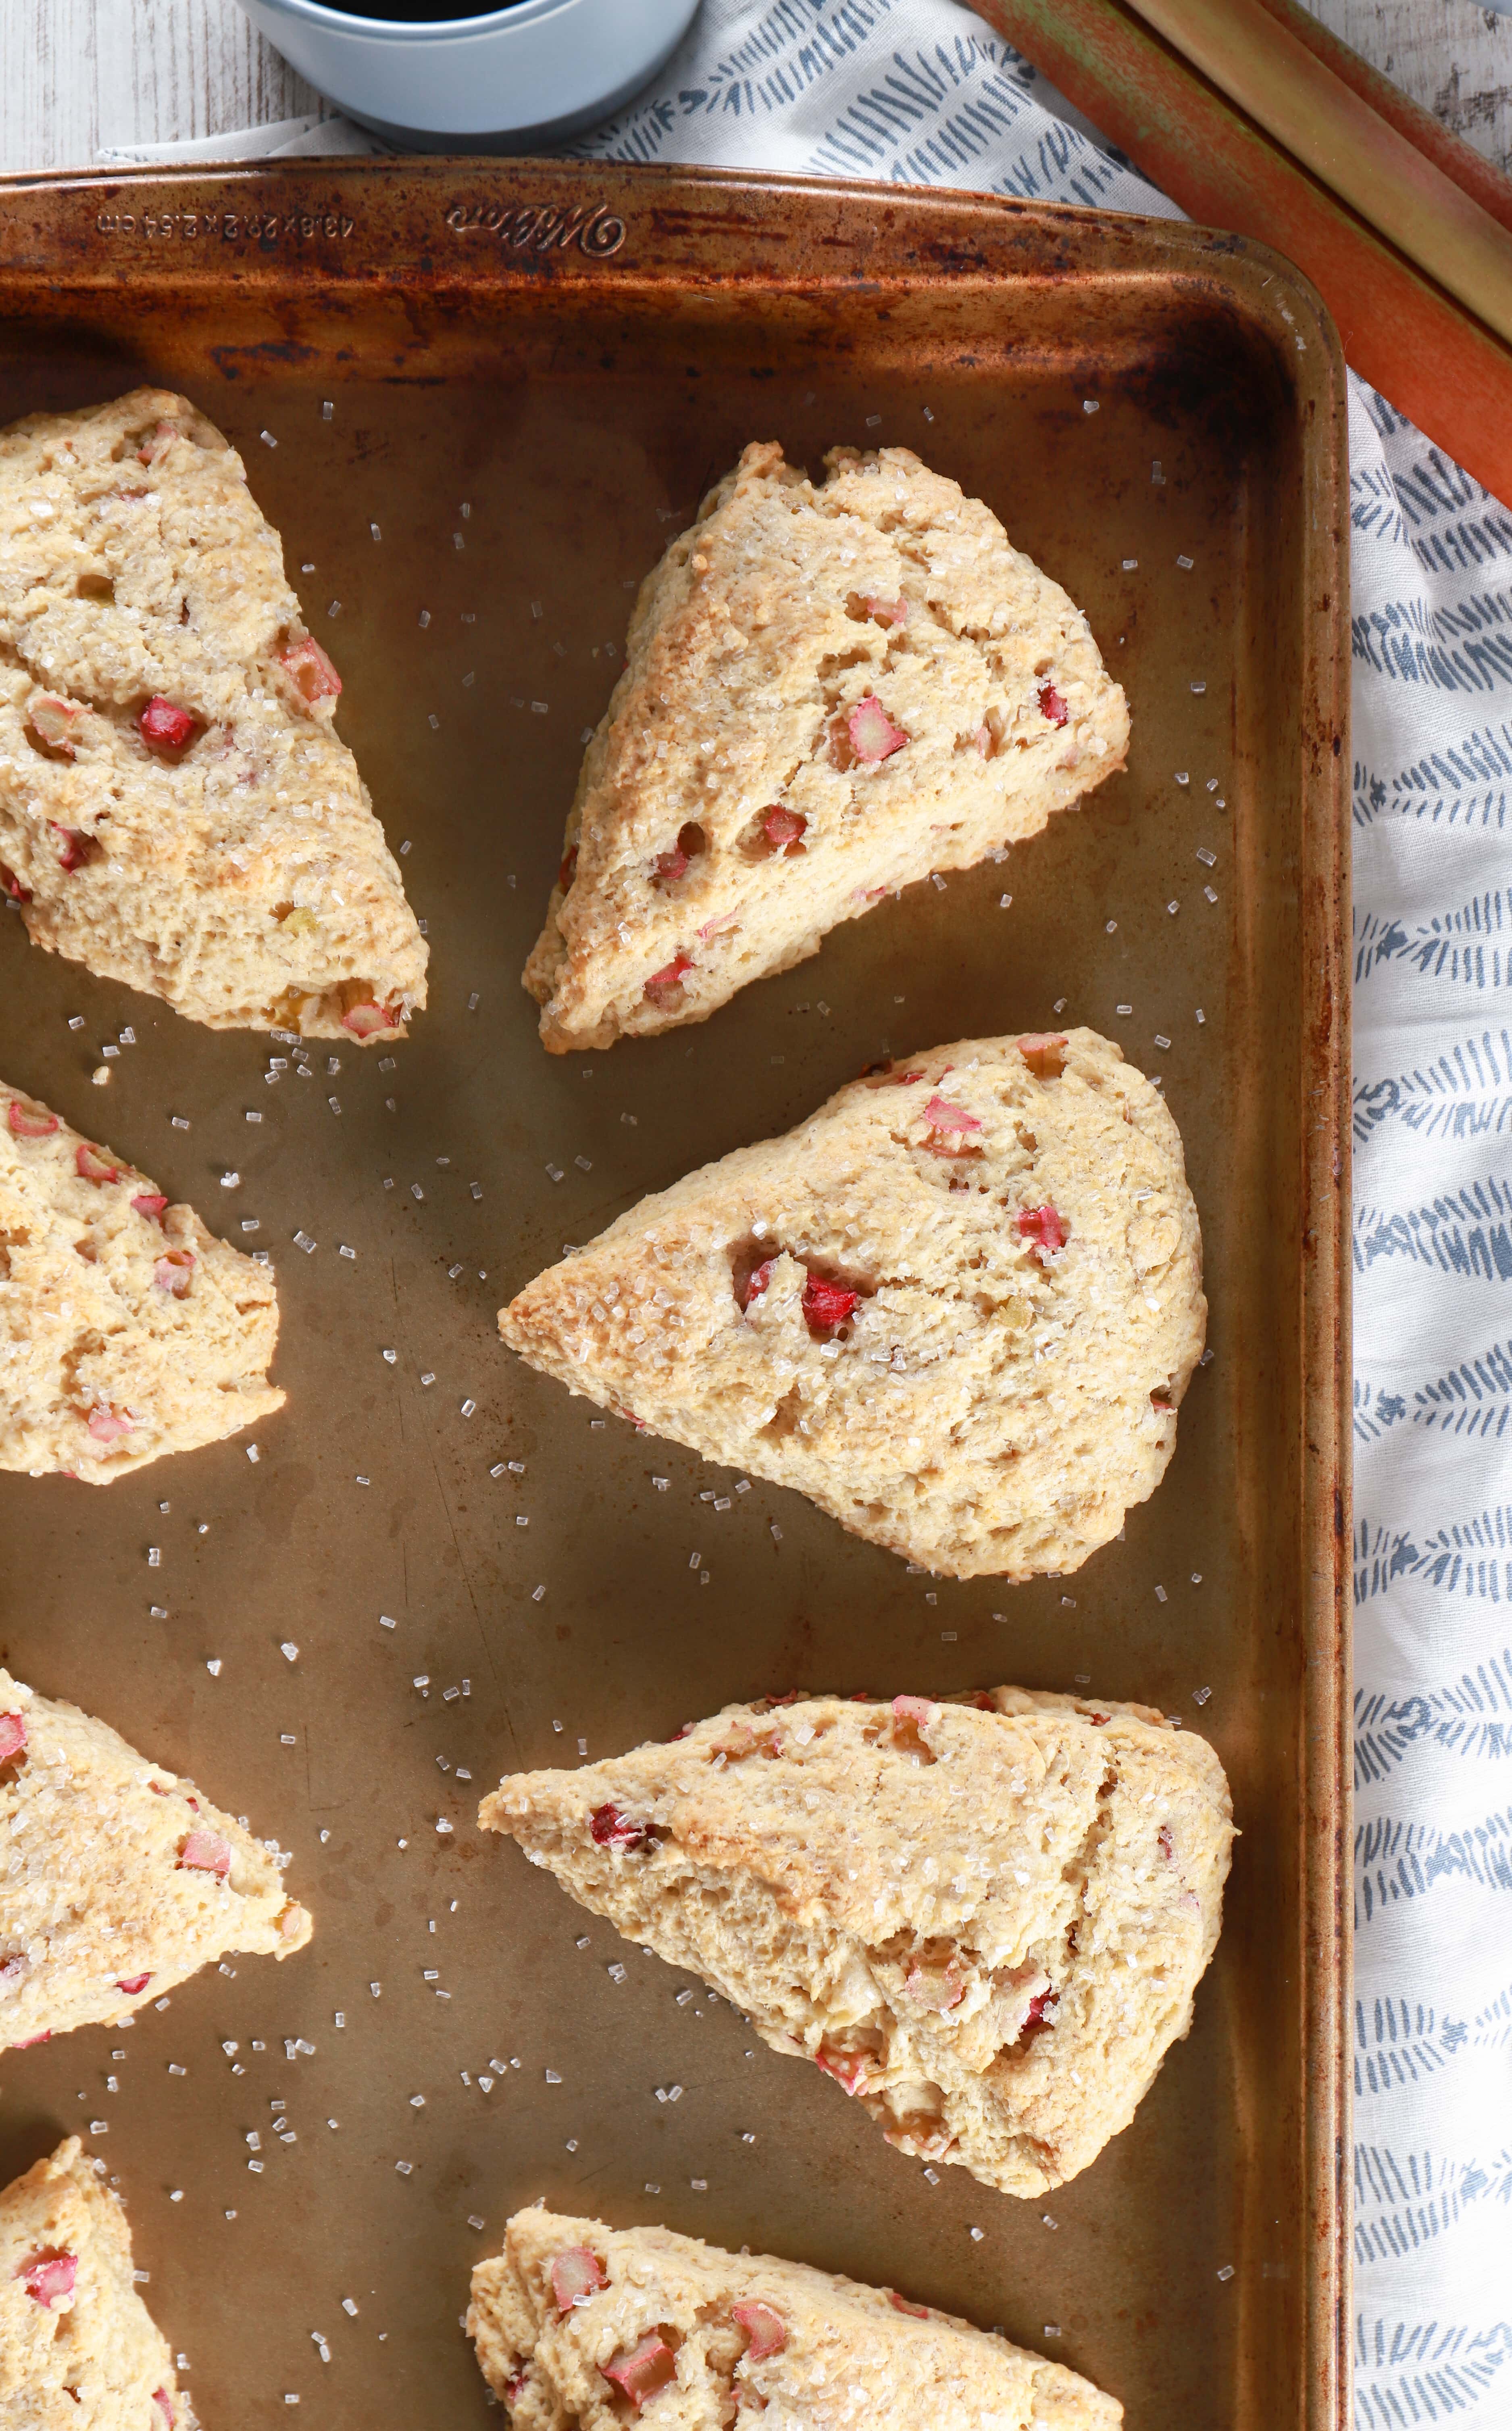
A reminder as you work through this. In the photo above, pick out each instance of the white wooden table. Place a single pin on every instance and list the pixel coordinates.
(78, 74)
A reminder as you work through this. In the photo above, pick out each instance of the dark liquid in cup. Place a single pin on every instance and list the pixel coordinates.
(417, 13)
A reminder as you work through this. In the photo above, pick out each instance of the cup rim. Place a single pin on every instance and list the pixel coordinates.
(399, 30)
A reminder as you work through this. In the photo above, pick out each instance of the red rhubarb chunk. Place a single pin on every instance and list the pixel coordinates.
(612, 1830)
(1043, 1227)
(166, 2407)
(156, 444)
(945, 1114)
(371, 1020)
(174, 1272)
(901, 2305)
(133, 1983)
(642, 2370)
(514, 2386)
(1052, 706)
(669, 976)
(12, 1735)
(11, 885)
(567, 870)
(912, 1709)
(1035, 2019)
(31, 1122)
(54, 720)
(889, 611)
(314, 675)
(150, 1203)
(163, 726)
(74, 848)
(781, 828)
(848, 2069)
(759, 1283)
(671, 866)
(48, 2274)
(936, 1991)
(1164, 1841)
(827, 1304)
(766, 2329)
(575, 2275)
(91, 1166)
(206, 1852)
(106, 1424)
(28, 2041)
(874, 736)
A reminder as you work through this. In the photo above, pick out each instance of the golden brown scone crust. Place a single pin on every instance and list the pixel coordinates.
(986, 1918)
(753, 645)
(244, 878)
(123, 1879)
(126, 1331)
(849, 2355)
(994, 1404)
(91, 2358)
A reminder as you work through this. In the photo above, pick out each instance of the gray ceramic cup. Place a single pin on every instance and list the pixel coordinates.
(519, 79)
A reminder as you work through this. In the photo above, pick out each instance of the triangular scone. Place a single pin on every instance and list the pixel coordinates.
(177, 810)
(985, 1917)
(127, 1329)
(958, 1307)
(581, 2327)
(827, 693)
(78, 2349)
(127, 1879)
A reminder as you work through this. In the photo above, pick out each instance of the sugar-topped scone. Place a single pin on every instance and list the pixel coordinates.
(828, 692)
(127, 1879)
(582, 2327)
(78, 2349)
(176, 809)
(958, 1307)
(127, 1329)
(983, 1917)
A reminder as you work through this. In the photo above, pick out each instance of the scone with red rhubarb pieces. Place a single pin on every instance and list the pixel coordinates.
(123, 1879)
(958, 1307)
(176, 809)
(78, 2349)
(581, 2327)
(127, 1329)
(985, 1917)
(828, 692)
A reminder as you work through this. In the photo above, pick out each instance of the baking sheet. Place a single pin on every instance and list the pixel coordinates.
(534, 371)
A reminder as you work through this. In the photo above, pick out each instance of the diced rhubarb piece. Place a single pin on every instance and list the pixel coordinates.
(91, 1166)
(612, 1830)
(29, 2042)
(54, 721)
(945, 1114)
(29, 1122)
(1052, 706)
(1044, 1051)
(901, 2305)
(889, 611)
(935, 1989)
(11, 885)
(12, 1735)
(848, 2069)
(174, 1272)
(150, 1203)
(369, 1020)
(912, 1709)
(567, 870)
(133, 1983)
(206, 1852)
(157, 445)
(106, 1423)
(164, 727)
(826, 1304)
(669, 974)
(1164, 1843)
(314, 675)
(48, 2274)
(1035, 2019)
(575, 2275)
(781, 828)
(766, 2329)
(74, 848)
(1043, 1227)
(874, 736)
(166, 2407)
(640, 2372)
(671, 865)
(514, 2385)
(758, 1281)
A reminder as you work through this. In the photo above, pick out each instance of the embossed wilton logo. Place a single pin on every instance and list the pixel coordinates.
(591, 226)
